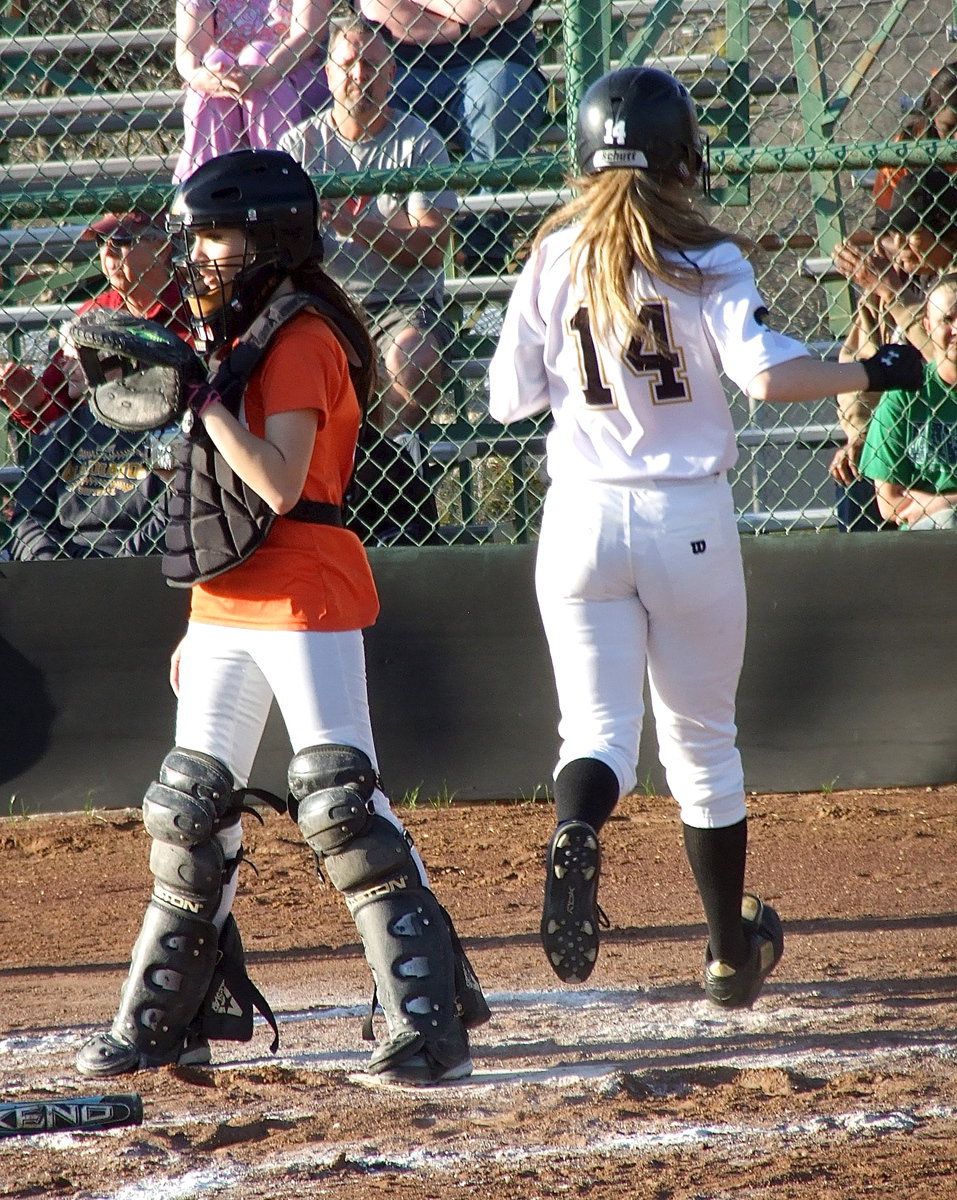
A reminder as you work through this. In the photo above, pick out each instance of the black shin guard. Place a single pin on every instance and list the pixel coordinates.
(424, 981)
(409, 950)
(172, 964)
(187, 980)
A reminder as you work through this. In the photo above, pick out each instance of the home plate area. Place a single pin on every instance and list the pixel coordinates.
(573, 1085)
(840, 1083)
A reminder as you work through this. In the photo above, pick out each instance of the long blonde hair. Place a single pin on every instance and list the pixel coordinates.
(629, 218)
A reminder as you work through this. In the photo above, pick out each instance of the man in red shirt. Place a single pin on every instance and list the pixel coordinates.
(135, 257)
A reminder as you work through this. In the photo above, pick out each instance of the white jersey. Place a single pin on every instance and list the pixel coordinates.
(622, 417)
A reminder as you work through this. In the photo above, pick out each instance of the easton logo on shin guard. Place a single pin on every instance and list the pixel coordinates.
(401, 883)
(164, 894)
(224, 1002)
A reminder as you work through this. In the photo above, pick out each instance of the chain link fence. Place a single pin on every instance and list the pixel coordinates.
(438, 146)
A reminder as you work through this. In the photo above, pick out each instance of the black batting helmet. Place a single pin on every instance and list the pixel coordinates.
(639, 118)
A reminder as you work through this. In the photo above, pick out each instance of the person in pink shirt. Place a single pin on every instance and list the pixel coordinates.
(244, 64)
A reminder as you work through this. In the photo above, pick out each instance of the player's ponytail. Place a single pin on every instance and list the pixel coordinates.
(629, 218)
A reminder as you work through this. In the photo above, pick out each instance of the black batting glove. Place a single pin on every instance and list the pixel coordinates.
(898, 367)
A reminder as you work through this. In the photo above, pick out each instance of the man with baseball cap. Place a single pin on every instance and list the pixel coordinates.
(86, 490)
(125, 227)
(135, 258)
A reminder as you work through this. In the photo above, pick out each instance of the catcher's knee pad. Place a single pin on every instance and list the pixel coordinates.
(192, 800)
(332, 787)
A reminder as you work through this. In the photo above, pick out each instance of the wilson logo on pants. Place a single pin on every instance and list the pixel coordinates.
(699, 547)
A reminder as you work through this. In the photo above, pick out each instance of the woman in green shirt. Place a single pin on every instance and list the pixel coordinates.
(911, 447)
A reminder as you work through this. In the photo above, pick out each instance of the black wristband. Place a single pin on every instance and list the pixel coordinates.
(898, 367)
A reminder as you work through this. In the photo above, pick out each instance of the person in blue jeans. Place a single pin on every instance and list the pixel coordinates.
(469, 68)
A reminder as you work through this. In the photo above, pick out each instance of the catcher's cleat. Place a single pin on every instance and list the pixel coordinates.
(730, 988)
(571, 916)
(196, 1052)
(413, 1060)
(106, 1054)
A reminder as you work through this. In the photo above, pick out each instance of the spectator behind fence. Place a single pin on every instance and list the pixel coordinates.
(388, 251)
(247, 64)
(88, 491)
(916, 241)
(935, 117)
(135, 258)
(911, 447)
(469, 68)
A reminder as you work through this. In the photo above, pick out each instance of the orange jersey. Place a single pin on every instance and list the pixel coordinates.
(303, 576)
(887, 178)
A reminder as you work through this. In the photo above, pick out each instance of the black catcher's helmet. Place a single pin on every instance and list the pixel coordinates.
(268, 197)
(639, 117)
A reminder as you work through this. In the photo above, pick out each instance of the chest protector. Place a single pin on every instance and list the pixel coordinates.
(216, 521)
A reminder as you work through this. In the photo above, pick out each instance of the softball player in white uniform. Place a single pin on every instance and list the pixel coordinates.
(629, 308)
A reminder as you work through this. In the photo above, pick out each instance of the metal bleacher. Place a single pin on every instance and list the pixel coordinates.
(46, 200)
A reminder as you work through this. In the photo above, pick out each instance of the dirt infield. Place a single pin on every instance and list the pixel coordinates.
(841, 1083)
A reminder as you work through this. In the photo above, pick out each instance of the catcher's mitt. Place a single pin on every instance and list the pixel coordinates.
(140, 375)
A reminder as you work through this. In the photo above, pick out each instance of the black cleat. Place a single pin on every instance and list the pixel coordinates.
(412, 1060)
(570, 914)
(105, 1054)
(730, 988)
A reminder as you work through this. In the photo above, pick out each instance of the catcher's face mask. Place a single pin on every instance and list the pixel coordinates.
(207, 271)
(224, 278)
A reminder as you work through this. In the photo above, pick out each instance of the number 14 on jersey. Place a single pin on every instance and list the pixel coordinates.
(663, 363)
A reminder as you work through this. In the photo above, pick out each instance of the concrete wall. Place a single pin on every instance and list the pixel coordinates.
(849, 678)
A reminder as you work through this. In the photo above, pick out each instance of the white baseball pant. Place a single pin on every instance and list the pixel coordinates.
(227, 680)
(630, 578)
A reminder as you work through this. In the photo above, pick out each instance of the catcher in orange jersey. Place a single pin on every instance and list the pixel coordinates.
(280, 593)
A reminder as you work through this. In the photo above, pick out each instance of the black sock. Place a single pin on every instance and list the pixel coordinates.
(586, 790)
(717, 858)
